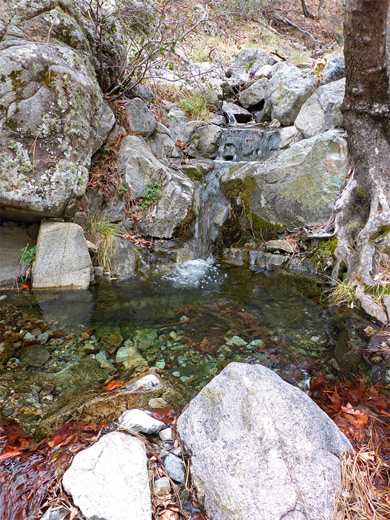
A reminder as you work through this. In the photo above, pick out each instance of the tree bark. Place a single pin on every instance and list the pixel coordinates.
(306, 11)
(362, 214)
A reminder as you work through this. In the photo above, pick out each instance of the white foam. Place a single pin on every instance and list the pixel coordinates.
(195, 273)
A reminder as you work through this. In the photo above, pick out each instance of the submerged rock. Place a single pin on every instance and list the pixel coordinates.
(109, 480)
(261, 448)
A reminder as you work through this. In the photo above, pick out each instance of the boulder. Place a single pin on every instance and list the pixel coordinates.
(205, 141)
(109, 480)
(261, 448)
(288, 89)
(281, 246)
(124, 258)
(52, 113)
(334, 69)
(139, 167)
(141, 119)
(254, 97)
(248, 62)
(297, 187)
(162, 146)
(321, 111)
(62, 257)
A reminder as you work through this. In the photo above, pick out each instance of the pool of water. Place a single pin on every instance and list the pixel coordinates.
(191, 323)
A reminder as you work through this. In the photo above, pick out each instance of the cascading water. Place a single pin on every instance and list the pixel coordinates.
(240, 143)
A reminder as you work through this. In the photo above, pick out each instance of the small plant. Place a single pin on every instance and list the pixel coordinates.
(195, 105)
(106, 230)
(123, 188)
(342, 293)
(152, 195)
(27, 255)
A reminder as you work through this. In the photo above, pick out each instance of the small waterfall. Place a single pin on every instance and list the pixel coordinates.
(239, 143)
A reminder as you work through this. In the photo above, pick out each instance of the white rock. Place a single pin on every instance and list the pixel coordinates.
(140, 422)
(167, 434)
(162, 486)
(109, 480)
(261, 448)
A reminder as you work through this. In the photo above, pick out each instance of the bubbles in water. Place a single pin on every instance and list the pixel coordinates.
(198, 273)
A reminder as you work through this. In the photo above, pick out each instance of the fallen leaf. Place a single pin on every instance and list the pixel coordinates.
(9, 455)
(113, 385)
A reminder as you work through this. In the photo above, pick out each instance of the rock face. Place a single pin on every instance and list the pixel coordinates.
(297, 187)
(62, 258)
(12, 240)
(109, 480)
(321, 111)
(139, 167)
(52, 113)
(261, 448)
(124, 258)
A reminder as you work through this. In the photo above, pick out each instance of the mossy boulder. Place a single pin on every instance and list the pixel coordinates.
(52, 113)
(297, 187)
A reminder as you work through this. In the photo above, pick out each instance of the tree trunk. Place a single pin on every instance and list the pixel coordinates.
(306, 11)
(362, 214)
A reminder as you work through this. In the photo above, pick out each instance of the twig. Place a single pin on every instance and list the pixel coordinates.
(304, 31)
(267, 27)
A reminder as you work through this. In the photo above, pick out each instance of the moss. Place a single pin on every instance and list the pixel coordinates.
(185, 230)
(240, 193)
(17, 82)
(382, 232)
(323, 251)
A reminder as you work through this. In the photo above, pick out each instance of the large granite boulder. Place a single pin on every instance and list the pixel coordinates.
(124, 258)
(248, 62)
(62, 257)
(296, 187)
(288, 89)
(139, 168)
(321, 111)
(110, 481)
(261, 448)
(52, 113)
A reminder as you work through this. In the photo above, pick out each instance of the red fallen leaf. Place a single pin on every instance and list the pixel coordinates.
(317, 381)
(164, 414)
(113, 385)
(198, 516)
(25, 287)
(9, 455)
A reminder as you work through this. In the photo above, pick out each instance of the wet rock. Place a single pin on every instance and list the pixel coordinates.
(89, 403)
(62, 258)
(288, 89)
(236, 114)
(300, 185)
(269, 261)
(218, 120)
(42, 338)
(281, 246)
(251, 434)
(145, 338)
(196, 169)
(102, 475)
(141, 119)
(29, 337)
(175, 468)
(235, 256)
(140, 422)
(321, 111)
(236, 341)
(288, 136)
(124, 258)
(112, 339)
(130, 357)
(162, 486)
(34, 356)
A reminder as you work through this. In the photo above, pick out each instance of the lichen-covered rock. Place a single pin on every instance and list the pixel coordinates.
(248, 62)
(139, 167)
(255, 95)
(261, 448)
(297, 187)
(321, 111)
(52, 113)
(62, 258)
(205, 141)
(288, 89)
